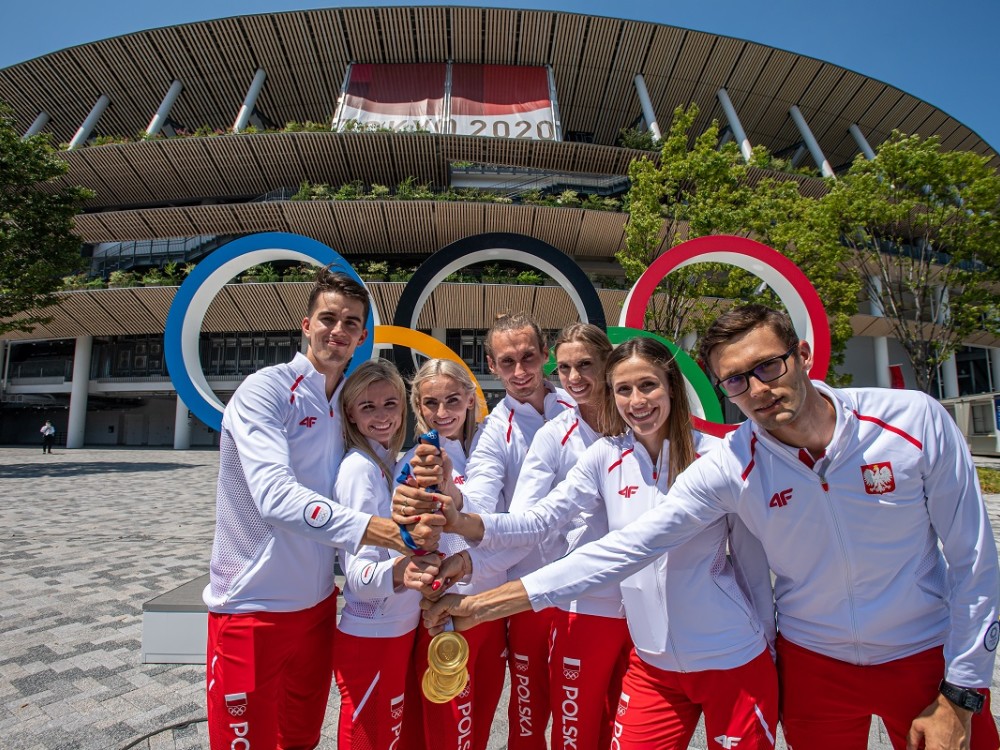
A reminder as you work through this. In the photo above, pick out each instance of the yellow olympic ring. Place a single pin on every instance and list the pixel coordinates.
(430, 347)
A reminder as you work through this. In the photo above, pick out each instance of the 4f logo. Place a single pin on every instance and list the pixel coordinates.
(628, 491)
(728, 742)
(878, 478)
(308, 421)
(779, 500)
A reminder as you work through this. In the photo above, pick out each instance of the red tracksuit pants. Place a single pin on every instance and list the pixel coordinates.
(659, 710)
(372, 674)
(827, 704)
(529, 639)
(268, 676)
(464, 722)
(589, 657)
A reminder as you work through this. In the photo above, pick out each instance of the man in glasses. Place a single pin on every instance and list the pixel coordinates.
(851, 492)
(867, 504)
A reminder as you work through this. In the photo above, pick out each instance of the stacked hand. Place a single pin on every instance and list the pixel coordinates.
(433, 575)
(428, 468)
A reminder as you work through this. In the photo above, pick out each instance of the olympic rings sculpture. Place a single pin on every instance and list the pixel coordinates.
(187, 313)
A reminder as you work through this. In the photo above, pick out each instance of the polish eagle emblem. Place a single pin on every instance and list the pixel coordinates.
(878, 478)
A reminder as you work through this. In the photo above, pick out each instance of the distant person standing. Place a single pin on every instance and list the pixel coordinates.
(48, 436)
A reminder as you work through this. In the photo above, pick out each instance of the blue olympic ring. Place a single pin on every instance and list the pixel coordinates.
(187, 312)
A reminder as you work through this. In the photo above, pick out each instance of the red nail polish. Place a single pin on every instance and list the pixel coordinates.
(436, 585)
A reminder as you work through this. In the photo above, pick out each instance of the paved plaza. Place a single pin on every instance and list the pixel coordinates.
(88, 536)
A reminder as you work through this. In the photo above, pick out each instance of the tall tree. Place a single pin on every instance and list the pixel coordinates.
(703, 189)
(37, 247)
(924, 228)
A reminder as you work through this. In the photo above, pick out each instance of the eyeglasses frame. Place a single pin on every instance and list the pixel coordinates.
(746, 375)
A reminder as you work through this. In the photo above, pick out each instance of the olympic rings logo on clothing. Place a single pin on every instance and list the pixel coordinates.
(571, 668)
(187, 313)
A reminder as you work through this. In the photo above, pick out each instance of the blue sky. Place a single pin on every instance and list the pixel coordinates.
(948, 55)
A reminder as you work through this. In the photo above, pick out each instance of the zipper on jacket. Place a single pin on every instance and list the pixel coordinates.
(849, 577)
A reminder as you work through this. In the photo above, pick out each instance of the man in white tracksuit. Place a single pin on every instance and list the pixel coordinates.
(271, 597)
(868, 507)
(516, 353)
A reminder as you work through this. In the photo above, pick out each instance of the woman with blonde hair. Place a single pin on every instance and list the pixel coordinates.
(443, 398)
(380, 616)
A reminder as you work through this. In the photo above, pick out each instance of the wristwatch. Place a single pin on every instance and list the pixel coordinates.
(967, 698)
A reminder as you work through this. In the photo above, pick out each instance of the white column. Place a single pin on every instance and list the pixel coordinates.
(949, 377)
(88, 125)
(880, 347)
(995, 372)
(78, 392)
(811, 143)
(5, 347)
(40, 122)
(156, 124)
(880, 344)
(995, 369)
(862, 142)
(688, 340)
(647, 106)
(441, 334)
(182, 427)
(734, 123)
(304, 344)
(249, 101)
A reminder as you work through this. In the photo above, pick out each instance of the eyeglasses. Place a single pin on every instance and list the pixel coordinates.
(765, 372)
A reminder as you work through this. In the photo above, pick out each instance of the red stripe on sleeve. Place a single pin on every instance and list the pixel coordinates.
(891, 428)
(294, 386)
(570, 431)
(753, 451)
(619, 461)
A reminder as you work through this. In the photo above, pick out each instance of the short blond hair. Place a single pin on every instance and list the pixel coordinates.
(447, 368)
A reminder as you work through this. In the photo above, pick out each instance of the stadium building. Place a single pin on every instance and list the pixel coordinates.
(390, 134)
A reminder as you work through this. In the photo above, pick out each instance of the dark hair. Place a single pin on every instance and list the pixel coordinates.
(678, 425)
(512, 322)
(739, 320)
(596, 340)
(340, 283)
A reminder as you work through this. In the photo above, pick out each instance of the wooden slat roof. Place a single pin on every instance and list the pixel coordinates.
(306, 53)
(279, 306)
(243, 167)
(355, 228)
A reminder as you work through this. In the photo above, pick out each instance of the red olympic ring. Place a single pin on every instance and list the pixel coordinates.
(786, 279)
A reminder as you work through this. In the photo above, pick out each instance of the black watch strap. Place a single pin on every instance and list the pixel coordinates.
(967, 698)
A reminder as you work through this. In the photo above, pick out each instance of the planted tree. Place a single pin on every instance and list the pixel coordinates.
(700, 189)
(37, 246)
(923, 227)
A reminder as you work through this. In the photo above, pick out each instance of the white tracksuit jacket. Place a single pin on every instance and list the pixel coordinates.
(276, 525)
(712, 622)
(373, 608)
(500, 447)
(853, 542)
(552, 453)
